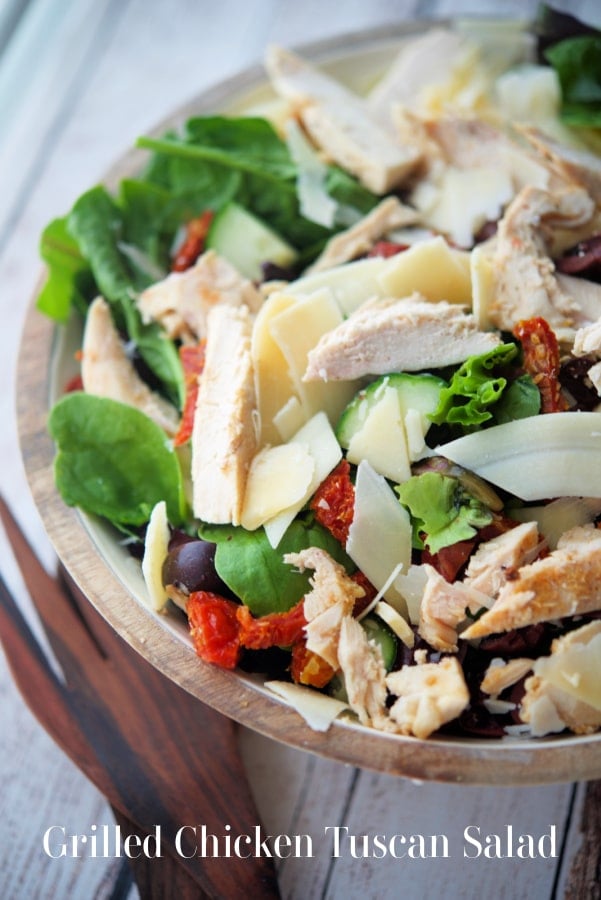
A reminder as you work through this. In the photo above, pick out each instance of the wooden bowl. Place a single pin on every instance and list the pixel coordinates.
(112, 580)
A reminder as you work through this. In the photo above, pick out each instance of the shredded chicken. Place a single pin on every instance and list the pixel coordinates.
(569, 164)
(397, 335)
(525, 280)
(224, 435)
(565, 583)
(182, 301)
(360, 238)
(364, 674)
(330, 601)
(550, 707)
(107, 371)
(497, 560)
(429, 695)
(588, 340)
(444, 606)
(503, 675)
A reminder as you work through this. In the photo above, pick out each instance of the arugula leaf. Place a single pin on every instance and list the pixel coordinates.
(69, 280)
(577, 61)
(474, 388)
(113, 461)
(442, 509)
(257, 574)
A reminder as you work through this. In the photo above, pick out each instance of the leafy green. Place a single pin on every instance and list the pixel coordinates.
(96, 223)
(256, 572)
(577, 61)
(69, 279)
(114, 461)
(442, 510)
(520, 400)
(474, 388)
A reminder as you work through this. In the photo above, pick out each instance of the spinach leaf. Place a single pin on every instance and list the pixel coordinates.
(577, 62)
(474, 388)
(70, 280)
(113, 461)
(520, 400)
(256, 572)
(97, 225)
(442, 510)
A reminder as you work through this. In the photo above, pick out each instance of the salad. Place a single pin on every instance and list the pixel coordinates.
(340, 382)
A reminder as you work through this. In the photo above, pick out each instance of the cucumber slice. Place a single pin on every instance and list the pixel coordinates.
(380, 633)
(246, 242)
(416, 392)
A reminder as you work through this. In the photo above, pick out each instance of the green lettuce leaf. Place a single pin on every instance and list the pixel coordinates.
(441, 510)
(520, 400)
(69, 282)
(474, 388)
(113, 461)
(257, 573)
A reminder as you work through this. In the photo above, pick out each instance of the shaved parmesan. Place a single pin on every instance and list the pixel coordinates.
(380, 534)
(278, 478)
(274, 385)
(433, 269)
(351, 284)
(315, 202)
(296, 330)
(318, 710)
(317, 435)
(575, 664)
(289, 418)
(559, 516)
(535, 458)
(156, 546)
(381, 440)
(396, 622)
(482, 275)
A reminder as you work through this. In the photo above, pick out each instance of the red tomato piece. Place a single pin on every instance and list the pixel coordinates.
(214, 628)
(541, 361)
(309, 668)
(334, 502)
(192, 357)
(386, 249)
(273, 630)
(194, 242)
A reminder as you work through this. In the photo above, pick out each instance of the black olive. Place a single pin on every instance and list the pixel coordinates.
(191, 566)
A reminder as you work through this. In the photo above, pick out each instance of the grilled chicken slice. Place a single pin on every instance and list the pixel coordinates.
(497, 560)
(569, 164)
(443, 608)
(224, 438)
(429, 695)
(360, 238)
(364, 674)
(339, 123)
(526, 285)
(397, 335)
(107, 371)
(182, 301)
(330, 601)
(565, 583)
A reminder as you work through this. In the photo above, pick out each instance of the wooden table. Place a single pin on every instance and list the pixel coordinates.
(79, 82)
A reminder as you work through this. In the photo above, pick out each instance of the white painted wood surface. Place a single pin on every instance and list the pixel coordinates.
(79, 81)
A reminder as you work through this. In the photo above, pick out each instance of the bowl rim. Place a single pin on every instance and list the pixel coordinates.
(467, 760)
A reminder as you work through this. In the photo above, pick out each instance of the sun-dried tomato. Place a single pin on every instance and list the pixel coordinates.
(192, 357)
(309, 668)
(386, 249)
(193, 243)
(363, 602)
(541, 361)
(449, 561)
(334, 501)
(273, 630)
(74, 384)
(214, 628)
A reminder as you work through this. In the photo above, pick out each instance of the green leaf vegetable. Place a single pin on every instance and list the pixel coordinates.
(442, 510)
(478, 385)
(114, 461)
(256, 572)
(577, 61)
